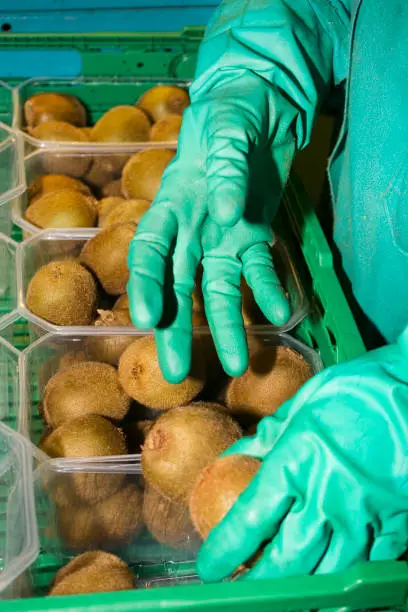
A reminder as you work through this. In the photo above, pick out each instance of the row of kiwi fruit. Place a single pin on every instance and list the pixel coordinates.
(94, 190)
(89, 288)
(60, 117)
(93, 409)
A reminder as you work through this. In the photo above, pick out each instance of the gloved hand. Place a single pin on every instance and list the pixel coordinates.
(262, 70)
(214, 169)
(333, 486)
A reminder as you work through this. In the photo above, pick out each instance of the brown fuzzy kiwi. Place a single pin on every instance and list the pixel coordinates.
(71, 358)
(105, 205)
(47, 183)
(106, 255)
(85, 437)
(164, 100)
(109, 348)
(72, 164)
(181, 443)
(217, 488)
(110, 522)
(122, 124)
(122, 303)
(44, 107)
(141, 377)
(87, 130)
(93, 572)
(128, 211)
(136, 433)
(142, 174)
(64, 293)
(274, 375)
(168, 522)
(104, 169)
(63, 209)
(84, 388)
(166, 129)
(113, 188)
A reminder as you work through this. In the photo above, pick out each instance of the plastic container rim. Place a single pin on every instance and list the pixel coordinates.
(86, 234)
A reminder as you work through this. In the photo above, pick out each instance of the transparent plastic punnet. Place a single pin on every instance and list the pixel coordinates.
(51, 245)
(96, 504)
(95, 168)
(97, 94)
(114, 523)
(18, 525)
(12, 177)
(43, 359)
(8, 275)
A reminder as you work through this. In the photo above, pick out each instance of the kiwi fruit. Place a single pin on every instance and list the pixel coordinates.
(65, 208)
(122, 303)
(142, 174)
(273, 376)
(217, 488)
(54, 182)
(106, 255)
(84, 388)
(115, 520)
(105, 169)
(128, 211)
(122, 124)
(105, 205)
(166, 129)
(108, 349)
(135, 433)
(168, 522)
(71, 358)
(93, 572)
(181, 443)
(87, 130)
(163, 100)
(70, 163)
(141, 377)
(58, 131)
(85, 437)
(63, 292)
(113, 188)
(44, 107)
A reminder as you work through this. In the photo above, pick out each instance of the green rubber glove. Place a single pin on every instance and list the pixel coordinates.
(177, 231)
(262, 70)
(333, 486)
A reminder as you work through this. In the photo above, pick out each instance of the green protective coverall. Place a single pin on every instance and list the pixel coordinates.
(333, 485)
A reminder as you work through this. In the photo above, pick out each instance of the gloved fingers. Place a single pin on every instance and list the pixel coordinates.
(347, 547)
(260, 274)
(222, 301)
(227, 166)
(392, 541)
(174, 332)
(262, 442)
(297, 548)
(148, 254)
(254, 518)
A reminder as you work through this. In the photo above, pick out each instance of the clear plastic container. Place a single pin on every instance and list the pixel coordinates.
(68, 526)
(98, 95)
(83, 504)
(12, 176)
(80, 164)
(42, 359)
(9, 379)
(8, 275)
(50, 245)
(19, 545)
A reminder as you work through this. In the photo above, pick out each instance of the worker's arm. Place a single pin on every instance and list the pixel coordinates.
(262, 71)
